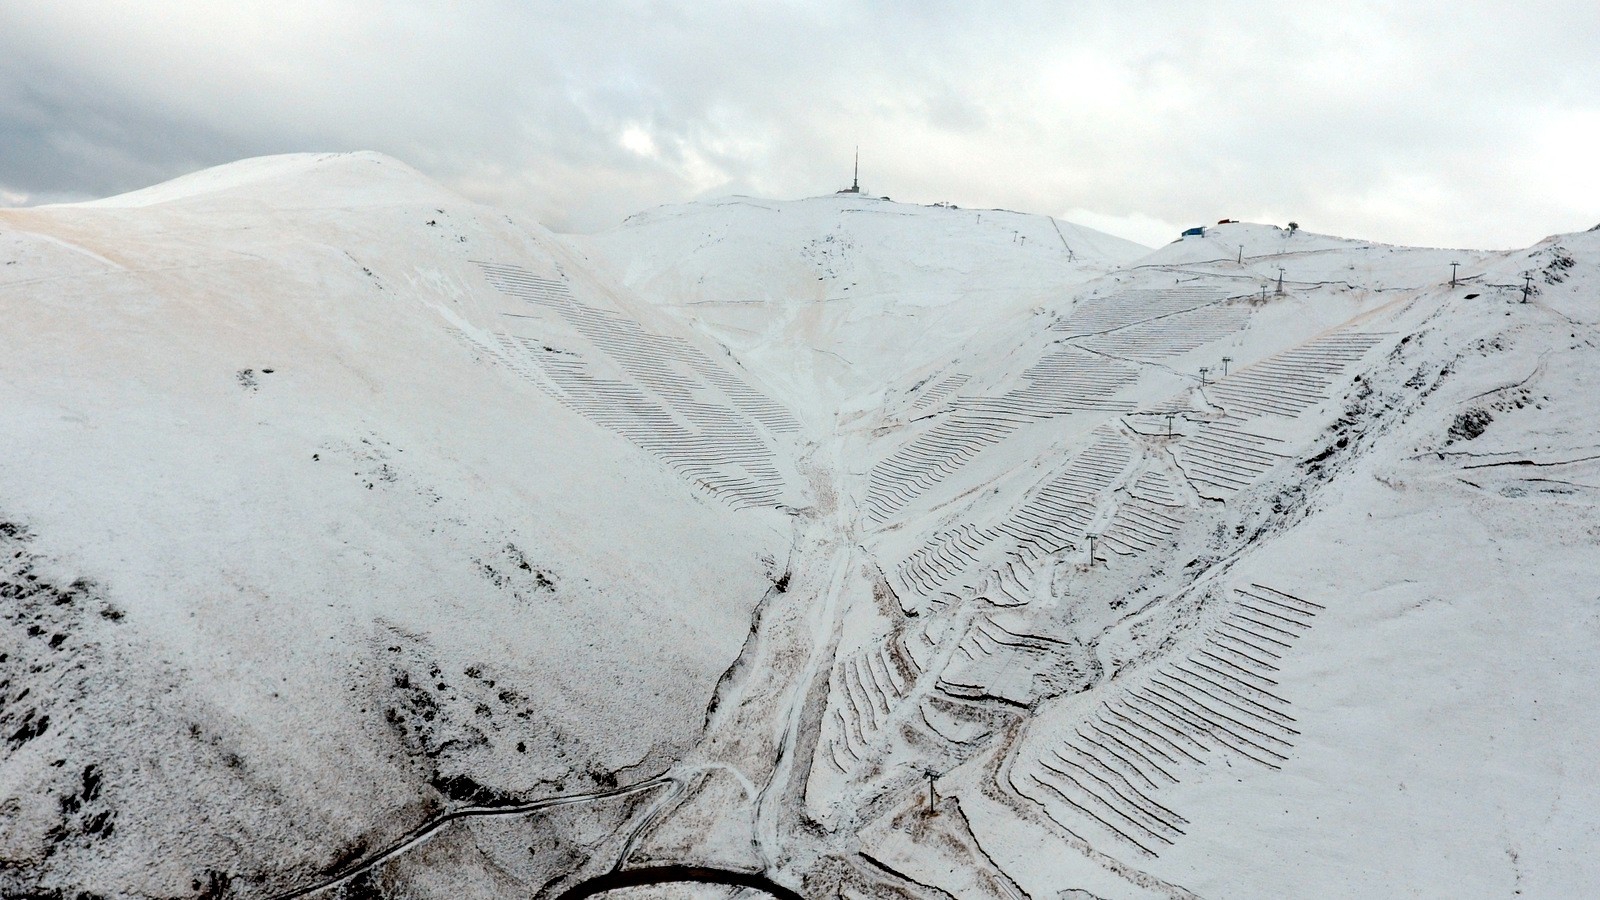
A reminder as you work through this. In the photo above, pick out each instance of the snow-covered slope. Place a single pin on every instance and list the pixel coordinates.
(364, 542)
(831, 297)
(298, 551)
(1274, 632)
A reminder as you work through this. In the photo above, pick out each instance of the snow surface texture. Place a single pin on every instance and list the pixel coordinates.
(357, 541)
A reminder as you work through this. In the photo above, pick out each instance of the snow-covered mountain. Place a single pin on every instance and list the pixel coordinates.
(362, 541)
(831, 297)
(301, 547)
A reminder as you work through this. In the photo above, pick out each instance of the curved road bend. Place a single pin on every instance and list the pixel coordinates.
(431, 827)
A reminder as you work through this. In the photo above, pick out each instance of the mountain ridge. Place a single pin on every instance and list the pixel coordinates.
(1117, 558)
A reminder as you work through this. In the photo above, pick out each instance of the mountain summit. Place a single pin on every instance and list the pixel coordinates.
(358, 540)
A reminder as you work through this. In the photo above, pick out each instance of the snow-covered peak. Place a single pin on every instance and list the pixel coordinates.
(832, 296)
(357, 540)
(292, 181)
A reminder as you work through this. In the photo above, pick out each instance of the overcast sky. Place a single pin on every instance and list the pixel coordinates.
(1452, 124)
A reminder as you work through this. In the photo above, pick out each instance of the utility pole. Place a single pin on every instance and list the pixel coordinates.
(1280, 281)
(1453, 273)
(1241, 255)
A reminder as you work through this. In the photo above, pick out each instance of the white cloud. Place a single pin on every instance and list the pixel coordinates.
(1134, 227)
(637, 140)
(1562, 169)
(1419, 122)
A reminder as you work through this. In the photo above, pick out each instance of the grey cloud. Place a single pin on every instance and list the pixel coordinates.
(1409, 124)
(67, 145)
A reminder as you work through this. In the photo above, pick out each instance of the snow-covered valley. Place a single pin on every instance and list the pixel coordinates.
(360, 541)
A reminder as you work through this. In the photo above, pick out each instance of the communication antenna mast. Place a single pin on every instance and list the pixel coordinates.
(855, 178)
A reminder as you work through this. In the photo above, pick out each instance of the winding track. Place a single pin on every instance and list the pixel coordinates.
(770, 799)
(422, 833)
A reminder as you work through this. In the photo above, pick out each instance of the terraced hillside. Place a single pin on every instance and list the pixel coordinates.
(1078, 571)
